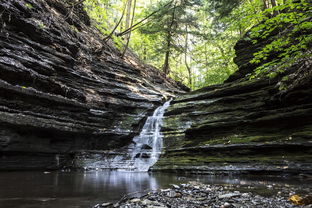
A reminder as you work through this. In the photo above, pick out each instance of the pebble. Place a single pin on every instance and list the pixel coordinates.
(106, 204)
(175, 186)
(229, 195)
(226, 205)
(135, 200)
(197, 195)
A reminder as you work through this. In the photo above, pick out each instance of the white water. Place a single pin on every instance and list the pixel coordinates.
(138, 156)
(148, 145)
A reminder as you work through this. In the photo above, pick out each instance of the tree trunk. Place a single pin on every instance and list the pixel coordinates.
(166, 67)
(127, 21)
(185, 59)
(265, 4)
(274, 4)
(129, 26)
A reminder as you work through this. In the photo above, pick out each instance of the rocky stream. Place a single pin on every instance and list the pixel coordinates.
(69, 101)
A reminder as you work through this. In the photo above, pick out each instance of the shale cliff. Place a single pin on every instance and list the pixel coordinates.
(242, 126)
(63, 89)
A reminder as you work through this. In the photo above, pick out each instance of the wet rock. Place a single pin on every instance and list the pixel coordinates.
(191, 195)
(146, 147)
(175, 186)
(230, 128)
(226, 205)
(172, 194)
(135, 200)
(107, 204)
(63, 88)
(147, 202)
(194, 195)
(229, 195)
(242, 126)
(145, 155)
(245, 195)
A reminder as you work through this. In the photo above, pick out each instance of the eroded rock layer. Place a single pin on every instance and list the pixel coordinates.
(63, 89)
(242, 126)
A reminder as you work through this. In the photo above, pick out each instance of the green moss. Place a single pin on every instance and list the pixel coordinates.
(243, 139)
(227, 140)
(302, 135)
(204, 160)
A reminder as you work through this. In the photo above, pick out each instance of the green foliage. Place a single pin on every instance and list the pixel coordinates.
(215, 51)
(29, 6)
(200, 35)
(222, 8)
(41, 25)
(291, 28)
(104, 16)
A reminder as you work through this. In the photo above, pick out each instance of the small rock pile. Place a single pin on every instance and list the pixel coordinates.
(198, 195)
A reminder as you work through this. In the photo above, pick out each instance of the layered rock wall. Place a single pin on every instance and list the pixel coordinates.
(242, 126)
(63, 89)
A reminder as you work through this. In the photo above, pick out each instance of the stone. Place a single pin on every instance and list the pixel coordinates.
(172, 194)
(229, 195)
(226, 205)
(136, 200)
(64, 88)
(107, 204)
(147, 202)
(175, 186)
(146, 147)
(193, 199)
(145, 155)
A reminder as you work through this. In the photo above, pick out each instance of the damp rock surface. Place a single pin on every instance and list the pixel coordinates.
(242, 126)
(63, 89)
(198, 195)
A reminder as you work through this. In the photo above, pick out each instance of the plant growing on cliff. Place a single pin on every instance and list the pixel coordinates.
(29, 6)
(291, 29)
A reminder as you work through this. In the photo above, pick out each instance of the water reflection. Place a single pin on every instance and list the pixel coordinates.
(84, 189)
(127, 181)
(70, 189)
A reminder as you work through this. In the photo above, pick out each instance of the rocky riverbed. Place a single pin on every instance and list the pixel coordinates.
(195, 194)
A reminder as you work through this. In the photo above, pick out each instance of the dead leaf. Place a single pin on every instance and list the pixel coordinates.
(297, 200)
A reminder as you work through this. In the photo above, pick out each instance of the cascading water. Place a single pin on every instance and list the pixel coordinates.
(148, 145)
(141, 154)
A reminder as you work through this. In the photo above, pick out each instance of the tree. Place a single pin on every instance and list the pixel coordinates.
(167, 24)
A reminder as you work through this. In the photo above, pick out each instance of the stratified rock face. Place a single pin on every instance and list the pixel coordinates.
(63, 89)
(242, 126)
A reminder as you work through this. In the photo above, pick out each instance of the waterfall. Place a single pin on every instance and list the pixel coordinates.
(138, 156)
(148, 145)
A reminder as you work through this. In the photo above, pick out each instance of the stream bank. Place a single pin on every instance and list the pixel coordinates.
(198, 195)
(81, 189)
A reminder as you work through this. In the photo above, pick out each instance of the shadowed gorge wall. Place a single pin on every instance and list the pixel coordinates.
(242, 126)
(63, 89)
